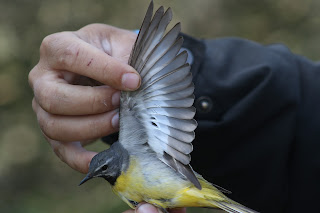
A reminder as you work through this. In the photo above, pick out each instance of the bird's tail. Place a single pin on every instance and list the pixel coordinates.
(233, 207)
(211, 196)
(224, 203)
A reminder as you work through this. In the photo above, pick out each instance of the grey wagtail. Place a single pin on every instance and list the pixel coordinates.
(150, 162)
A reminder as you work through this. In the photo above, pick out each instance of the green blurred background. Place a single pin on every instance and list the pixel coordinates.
(32, 178)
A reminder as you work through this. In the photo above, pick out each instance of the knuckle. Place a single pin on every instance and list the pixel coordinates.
(94, 103)
(45, 96)
(45, 44)
(62, 48)
(48, 43)
(68, 55)
(32, 75)
(47, 125)
(98, 105)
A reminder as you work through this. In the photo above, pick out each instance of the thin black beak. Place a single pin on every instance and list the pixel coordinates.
(88, 177)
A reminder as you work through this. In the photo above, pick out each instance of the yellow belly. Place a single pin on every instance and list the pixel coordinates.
(137, 185)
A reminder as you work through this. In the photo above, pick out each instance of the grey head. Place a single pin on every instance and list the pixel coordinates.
(108, 164)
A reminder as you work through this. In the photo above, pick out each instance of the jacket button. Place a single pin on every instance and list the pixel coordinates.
(204, 104)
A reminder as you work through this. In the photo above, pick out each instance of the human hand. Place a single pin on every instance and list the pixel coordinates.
(148, 208)
(71, 105)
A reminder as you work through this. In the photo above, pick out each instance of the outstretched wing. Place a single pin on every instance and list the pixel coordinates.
(160, 112)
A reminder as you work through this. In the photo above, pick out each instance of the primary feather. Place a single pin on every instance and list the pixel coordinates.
(160, 113)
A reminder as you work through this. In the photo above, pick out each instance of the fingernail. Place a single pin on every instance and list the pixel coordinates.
(147, 208)
(115, 98)
(115, 121)
(130, 81)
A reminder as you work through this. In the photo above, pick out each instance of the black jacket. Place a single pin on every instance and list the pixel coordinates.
(258, 129)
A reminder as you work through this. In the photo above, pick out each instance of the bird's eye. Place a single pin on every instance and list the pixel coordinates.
(105, 167)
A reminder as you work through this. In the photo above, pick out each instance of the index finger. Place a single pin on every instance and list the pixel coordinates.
(65, 51)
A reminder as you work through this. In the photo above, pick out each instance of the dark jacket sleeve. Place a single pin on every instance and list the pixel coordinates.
(257, 112)
(258, 123)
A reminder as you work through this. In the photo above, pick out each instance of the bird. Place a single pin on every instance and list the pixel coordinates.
(150, 162)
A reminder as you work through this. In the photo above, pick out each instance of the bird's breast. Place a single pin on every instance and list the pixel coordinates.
(147, 179)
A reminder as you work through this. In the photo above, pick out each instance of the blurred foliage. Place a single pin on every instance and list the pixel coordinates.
(32, 178)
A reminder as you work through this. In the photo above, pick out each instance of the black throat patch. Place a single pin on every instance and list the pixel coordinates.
(119, 162)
